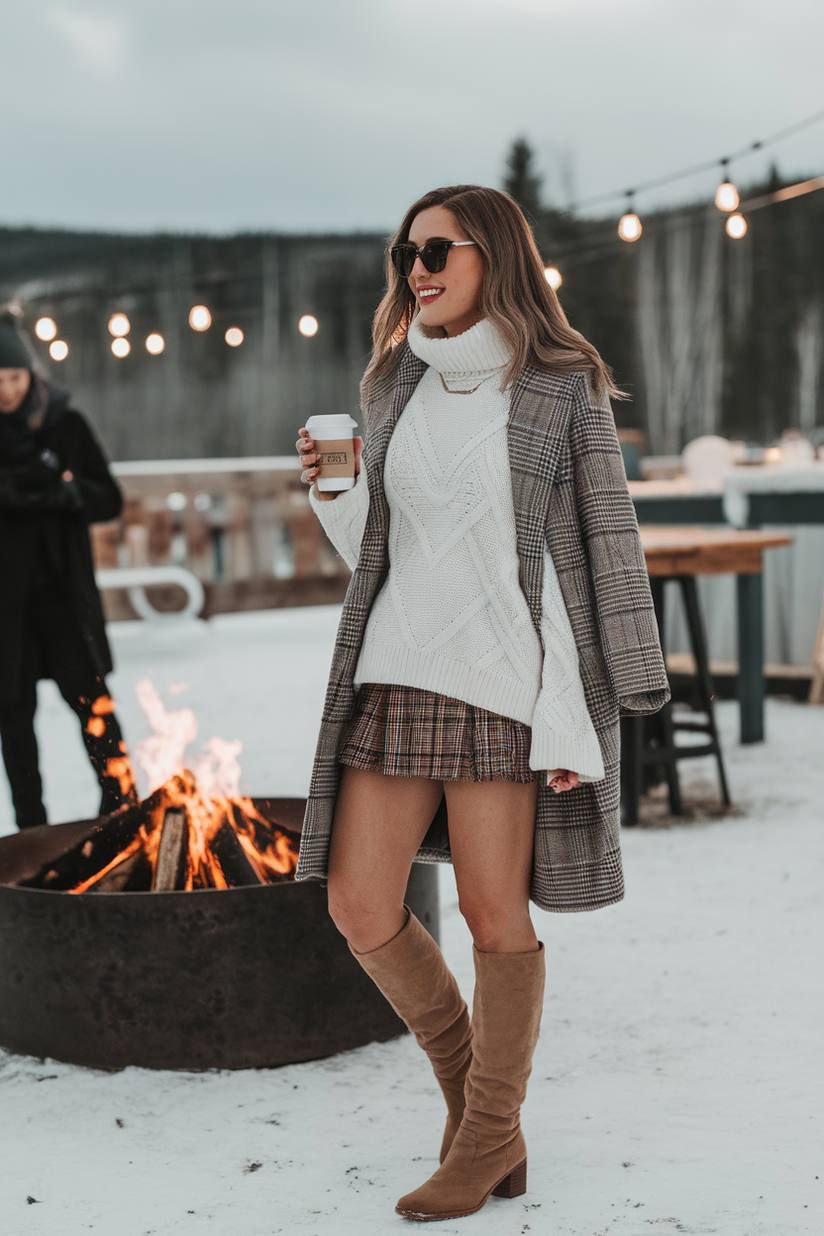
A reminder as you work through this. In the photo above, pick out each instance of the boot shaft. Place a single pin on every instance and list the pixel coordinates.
(506, 1019)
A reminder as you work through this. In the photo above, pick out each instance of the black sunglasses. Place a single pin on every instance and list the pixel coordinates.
(433, 255)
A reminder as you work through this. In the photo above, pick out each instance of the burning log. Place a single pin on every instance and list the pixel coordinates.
(172, 851)
(112, 842)
(236, 865)
(133, 875)
(272, 849)
(177, 838)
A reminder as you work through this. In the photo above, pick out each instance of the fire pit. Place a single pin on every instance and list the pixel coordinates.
(165, 958)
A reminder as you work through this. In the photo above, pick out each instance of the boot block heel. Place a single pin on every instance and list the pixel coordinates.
(513, 1185)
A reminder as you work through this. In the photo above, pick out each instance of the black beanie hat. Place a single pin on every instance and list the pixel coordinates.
(13, 351)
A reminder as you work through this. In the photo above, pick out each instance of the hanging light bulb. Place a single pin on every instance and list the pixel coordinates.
(308, 325)
(155, 344)
(234, 336)
(553, 277)
(59, 350)
(736, 226)
(726, 195)
(119, 325)
(121, 347)
(200, 318)
(630, 226)
(45, 329)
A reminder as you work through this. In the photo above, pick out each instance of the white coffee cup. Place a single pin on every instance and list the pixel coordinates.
(333, 440)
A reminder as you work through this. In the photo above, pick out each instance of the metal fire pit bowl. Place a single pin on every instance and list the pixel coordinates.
(214, 979)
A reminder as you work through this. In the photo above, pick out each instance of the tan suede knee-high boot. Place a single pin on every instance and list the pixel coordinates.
(412, 974)
(488, 1154)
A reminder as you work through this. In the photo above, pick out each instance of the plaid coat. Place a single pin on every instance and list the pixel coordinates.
(570, 494)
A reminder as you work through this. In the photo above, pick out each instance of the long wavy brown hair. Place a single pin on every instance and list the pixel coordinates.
(515, 295)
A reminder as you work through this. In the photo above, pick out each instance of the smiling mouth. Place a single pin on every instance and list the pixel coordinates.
(429, 294)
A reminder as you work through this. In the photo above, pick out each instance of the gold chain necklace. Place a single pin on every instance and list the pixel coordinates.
(471, 391)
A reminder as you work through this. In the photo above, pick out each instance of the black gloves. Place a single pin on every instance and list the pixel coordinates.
(43, 473)
(39, 486)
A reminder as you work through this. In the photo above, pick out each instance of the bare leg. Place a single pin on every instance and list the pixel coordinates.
(492, 834)
(379, 824)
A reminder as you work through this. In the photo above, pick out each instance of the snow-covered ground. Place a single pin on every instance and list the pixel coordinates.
(678, 1080)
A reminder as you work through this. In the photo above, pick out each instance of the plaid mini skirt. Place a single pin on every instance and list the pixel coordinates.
(406, 732)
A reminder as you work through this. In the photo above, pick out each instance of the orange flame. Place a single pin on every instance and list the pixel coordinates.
(124, 854)
(271, 853)
(210, 797)
(120, 767)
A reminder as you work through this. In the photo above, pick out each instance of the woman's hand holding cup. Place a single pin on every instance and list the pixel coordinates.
(310, 458)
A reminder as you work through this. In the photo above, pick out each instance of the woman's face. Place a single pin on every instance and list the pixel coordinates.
(14, 386)
(450, 298)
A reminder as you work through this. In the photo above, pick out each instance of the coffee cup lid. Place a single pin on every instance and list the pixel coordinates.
(331, 422)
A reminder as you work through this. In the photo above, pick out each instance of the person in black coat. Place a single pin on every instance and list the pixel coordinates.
(54, 482)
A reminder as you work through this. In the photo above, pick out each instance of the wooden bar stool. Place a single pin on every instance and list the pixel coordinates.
(681, 554)
(650, 742)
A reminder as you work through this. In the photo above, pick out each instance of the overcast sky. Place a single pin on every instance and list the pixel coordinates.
(225, 115)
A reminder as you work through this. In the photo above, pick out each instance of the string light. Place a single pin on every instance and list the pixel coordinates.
(695, 169)
(45, 329)
(726, 195)
(736, 226)
(629, 228)
(200, 318)
(727, 199)
(119, 325)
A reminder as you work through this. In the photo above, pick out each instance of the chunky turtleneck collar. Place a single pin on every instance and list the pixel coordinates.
(479, 351)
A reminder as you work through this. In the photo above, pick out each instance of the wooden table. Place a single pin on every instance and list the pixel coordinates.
(672, 552)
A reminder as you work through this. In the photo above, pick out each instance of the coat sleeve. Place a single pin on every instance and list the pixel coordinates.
(94, 488)
(623, 601)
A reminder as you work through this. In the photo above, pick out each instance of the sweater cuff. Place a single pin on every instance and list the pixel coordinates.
(580, 754)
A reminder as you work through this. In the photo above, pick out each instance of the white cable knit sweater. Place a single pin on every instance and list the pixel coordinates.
(451, 616)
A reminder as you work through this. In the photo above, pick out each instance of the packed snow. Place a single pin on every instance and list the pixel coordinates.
(677, 1084)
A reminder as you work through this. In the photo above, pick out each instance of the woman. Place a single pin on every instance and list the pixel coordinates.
(54, 482)
(498, 617)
